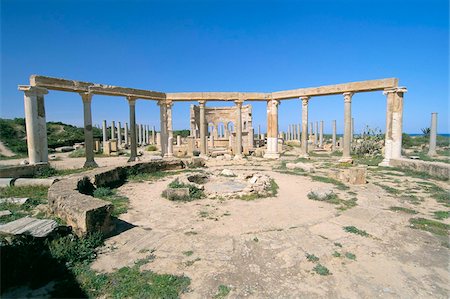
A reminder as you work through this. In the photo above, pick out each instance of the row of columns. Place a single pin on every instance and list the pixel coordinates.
(143, 133)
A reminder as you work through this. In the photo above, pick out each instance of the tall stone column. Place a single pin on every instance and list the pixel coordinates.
(353, 130)
(169, 132)
(113, 130)
(305, 101)
(316, 134)
(397, 122)
(259, 132)
(133, 143)
(298, 132)
(333, 142)
(203, 146)
(163, 124)
(272, 129)
(119, 134)
(104, 130)
(346, 158)
(88, 134)
(126, 135)
(321, 134)
(433, 135)
(238, 149)
(36, 125)
(153, 135)
(139, 133)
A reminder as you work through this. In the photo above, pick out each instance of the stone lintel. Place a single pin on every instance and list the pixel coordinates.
(360, 86)
(218, 96)
(35, 89)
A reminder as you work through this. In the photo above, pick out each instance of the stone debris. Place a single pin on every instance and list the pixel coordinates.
(303, 166)
(6, 182)
(176, 193)
(227, 172)
(31, 226)
(35, 182)
(322, 193)
(24, 162)
(64, 149)
(5, 213)
(352, 175)
(14, 200)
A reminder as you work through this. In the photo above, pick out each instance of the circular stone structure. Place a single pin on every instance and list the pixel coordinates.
(229, 184)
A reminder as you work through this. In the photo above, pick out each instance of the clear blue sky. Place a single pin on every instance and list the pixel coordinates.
(230, 46)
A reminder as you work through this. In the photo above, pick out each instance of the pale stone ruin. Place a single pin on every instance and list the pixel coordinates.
(240, 139)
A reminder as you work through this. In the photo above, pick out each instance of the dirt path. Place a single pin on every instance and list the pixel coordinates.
(258, 248)
(4, 151)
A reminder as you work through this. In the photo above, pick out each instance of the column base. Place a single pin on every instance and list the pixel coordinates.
(346, 160)
(90, 164)
(133, 159)
(271, 156)
(432, 153)
(384, 163)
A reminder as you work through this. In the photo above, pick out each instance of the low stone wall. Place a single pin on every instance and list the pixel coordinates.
(438, 169)
(86, 214)
(20, 171)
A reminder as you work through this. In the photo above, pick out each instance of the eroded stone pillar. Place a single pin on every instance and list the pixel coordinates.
(163, 120)
(299, 132)
(433, 135)
(119, 134)
(321, 134)
(238, 150)
(169, 147)
(133, 143)
(113, 130)
(272, 130)
(305, 101)
(316, 135)
(203, 146)
(259, 132)
(178, 140)
(333, 142)
(88, 134)
(36, 125)
(153, 135)
(104, 131)
(346, 157)
(126, 135)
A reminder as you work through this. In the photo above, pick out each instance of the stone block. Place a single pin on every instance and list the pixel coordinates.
(351, 175)
(31, 226)
(176, 193)
(96, 145)
(35, 182)
(107, 148)
(303, 166)
(114, 146)
(14, 200)
(5, 213)
(6, 182)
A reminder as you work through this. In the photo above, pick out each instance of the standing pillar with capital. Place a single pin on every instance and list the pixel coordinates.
(88, 134)
(272, 129)
(119, 134)
(305, 101)
(133, 143)
(346, 157)
(36, 125)
(163, 124)
(203, 146)
(169, 135)
(433, 134)
(238, 149)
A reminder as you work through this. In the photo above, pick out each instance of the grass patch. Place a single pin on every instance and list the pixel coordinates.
(431, 226)
(336, 254)
(312, 258)
(321, 270)
(350, 256)
(411, 198)
(152, 148)
(119, 202)
(191, 262)
(337, 244)
(150, 176)
(369, 161)
(354, 230)
(34, 192)
(388, 189)
(439, 194)
(403, 210)
(333, 198)
(338, 184)
(188, 253)
(222, 291)
(194, 192)
(440, 215)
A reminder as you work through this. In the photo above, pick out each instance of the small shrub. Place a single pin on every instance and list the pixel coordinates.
(336, 254)
(402, 209)
(321, 270)
(84, 186)
(312, 258)
(222, 292)
(194, 192)
(78, 153)
(350, 256)
(431, 226)
(151, 148)
(441, 214)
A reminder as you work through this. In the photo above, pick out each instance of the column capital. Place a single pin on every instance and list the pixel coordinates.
(401, 89)
(239, 102)
(275, 102)
(305, 99)
(202, 103)
(169, 103)
(131, 100)
(33, 90)
(86, 96)
(348, 96)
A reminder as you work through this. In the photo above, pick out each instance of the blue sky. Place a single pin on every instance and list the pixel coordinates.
(230, 46)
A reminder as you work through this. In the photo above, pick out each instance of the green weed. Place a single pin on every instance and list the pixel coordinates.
(355, 230)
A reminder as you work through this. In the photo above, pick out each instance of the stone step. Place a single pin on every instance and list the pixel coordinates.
(30, 226)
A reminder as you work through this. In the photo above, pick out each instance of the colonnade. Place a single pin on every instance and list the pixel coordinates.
(36, 124)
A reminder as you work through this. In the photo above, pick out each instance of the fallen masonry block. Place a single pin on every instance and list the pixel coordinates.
(303, 166)
(351, 175)
(176, 193)
(5, 213)
(30, 226)
(34, 182)
(14, 200)
(6, 182)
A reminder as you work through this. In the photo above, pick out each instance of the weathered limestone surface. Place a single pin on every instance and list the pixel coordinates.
(20, 170)
(34, 182)
(31, 226)
(433, 134)
(352, 175)
(438, 169)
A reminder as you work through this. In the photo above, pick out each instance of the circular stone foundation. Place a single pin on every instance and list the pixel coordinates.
(230, 184)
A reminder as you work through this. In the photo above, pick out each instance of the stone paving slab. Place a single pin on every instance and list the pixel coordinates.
(5, 213)
(28, 225)
(14, 200)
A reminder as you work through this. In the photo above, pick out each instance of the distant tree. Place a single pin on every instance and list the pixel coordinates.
(426, 131)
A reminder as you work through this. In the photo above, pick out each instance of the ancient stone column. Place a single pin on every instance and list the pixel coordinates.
(305, 101)
(163, 119)
(88, 134)
(321, 134)
(346, 158)
(433, 135)
(126, 135)
(105, 135)
(211, 141)
(119, 134)
(238, 150)
(353, 130)
(158, 139)
(259, 132)
(394, 120)
(169, 147)
(139, 134)
(272, 130)
(316, 134)
(179, 140)
(203, 146)
(288, 132)
(341, 142)
(298, 132)
(35, 122)
(113, 130)
(133, 143)
(153, 135)
(333, 142)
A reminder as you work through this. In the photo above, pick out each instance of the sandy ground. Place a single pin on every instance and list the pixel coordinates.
(258, 248)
